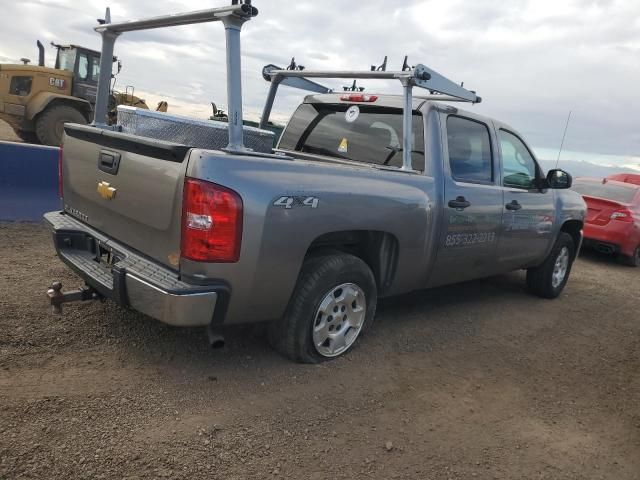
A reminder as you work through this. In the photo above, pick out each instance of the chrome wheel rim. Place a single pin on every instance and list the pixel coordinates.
(560, 268)
(339, 319)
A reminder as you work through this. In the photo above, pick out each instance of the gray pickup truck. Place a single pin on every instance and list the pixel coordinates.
(348, 209)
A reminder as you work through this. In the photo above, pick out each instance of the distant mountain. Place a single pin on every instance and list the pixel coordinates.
(585, 169)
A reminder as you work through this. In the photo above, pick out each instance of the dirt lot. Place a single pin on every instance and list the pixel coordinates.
(481, 380)
(7, 133)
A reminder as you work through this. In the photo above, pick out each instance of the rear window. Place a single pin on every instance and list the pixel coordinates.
(362, 133)
(608, 191)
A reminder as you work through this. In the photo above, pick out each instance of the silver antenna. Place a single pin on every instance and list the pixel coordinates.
(563, 137)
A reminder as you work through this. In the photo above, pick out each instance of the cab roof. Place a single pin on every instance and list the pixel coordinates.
(77, 47)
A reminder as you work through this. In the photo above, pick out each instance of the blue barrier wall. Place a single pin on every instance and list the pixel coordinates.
(28, 181)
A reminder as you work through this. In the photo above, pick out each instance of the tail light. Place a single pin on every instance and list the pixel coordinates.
(211, 222)
(622, 216)
(60, 183)
(359, 97)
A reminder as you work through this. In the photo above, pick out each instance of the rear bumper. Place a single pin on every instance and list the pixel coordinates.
(131, 279)
(612, 238)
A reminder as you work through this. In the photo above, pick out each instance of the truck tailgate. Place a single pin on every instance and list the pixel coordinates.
(127, 187)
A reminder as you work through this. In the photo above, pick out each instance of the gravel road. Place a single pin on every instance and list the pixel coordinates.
(480, 380)
(6, 133)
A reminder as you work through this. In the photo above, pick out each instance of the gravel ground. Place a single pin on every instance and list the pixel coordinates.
(479, 380)
(7, 133)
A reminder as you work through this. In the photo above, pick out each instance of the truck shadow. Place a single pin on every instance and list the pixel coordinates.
(431, 317)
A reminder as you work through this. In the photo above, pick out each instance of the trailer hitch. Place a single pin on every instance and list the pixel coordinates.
(57, 297)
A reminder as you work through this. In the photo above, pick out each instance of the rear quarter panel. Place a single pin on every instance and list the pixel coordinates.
(276, 239)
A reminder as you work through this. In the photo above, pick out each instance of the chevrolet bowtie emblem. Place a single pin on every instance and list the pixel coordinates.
(106, 191)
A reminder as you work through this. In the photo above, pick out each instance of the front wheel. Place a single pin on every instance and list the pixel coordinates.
(549, 279)
(333, 303)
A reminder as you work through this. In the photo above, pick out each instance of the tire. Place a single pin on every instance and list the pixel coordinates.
(50, 123)
(329, 284)
(631, 260)
(546, 280)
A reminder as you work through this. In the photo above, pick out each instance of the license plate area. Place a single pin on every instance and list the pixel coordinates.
(106, 256)
(81, 243)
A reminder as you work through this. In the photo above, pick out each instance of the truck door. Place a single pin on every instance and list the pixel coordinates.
(473, 202)
(529, 214)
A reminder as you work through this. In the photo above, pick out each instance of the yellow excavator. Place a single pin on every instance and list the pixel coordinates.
(37, 101)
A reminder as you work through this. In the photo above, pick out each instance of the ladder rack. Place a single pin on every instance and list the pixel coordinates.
(232, 17)
(421, 76)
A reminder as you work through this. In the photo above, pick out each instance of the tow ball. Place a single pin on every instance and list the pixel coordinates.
(57, 297)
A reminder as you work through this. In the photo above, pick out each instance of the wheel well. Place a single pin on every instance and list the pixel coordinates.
(573, 228)
(82, 107)
(379, 250)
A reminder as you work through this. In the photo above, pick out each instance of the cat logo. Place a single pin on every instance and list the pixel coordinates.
(106, 191)
(57, 82)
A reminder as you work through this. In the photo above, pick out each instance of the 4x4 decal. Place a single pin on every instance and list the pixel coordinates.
(290, 202)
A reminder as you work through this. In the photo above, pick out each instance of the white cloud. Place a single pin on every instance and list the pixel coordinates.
(531, 60)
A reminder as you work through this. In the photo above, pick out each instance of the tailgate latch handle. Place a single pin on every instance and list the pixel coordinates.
(109, 162)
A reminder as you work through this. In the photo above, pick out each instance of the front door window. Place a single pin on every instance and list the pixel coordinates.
(519, 168)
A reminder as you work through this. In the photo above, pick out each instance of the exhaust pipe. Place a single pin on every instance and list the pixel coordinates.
(216, 339)
(604, 248)
(40, 53)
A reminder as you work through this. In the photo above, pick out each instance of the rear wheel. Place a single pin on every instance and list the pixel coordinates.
(50, 123)
(548, 280)
(632, 260)
(333, 303)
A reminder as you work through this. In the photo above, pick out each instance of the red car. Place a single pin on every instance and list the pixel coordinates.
(626, 177)
(613, 217)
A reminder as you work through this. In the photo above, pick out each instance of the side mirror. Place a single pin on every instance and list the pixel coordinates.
(558, 179)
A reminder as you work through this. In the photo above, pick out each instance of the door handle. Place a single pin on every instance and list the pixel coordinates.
(514, 205)
(459, 203)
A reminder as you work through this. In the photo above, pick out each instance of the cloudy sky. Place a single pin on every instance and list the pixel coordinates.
(532, 61)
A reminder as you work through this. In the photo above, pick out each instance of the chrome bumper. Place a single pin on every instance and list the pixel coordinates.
(131, 279)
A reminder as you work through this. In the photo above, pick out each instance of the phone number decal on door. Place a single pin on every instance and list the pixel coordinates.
(458, 239)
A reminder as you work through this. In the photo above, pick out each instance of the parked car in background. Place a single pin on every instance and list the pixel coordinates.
(613, 217)
(626, 178)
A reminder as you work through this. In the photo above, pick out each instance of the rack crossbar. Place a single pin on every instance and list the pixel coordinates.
(189, 18)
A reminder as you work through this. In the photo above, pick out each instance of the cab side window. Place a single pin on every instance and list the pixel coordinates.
(470, 156)
(95, 68)
(83, 67)
(519, 168)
